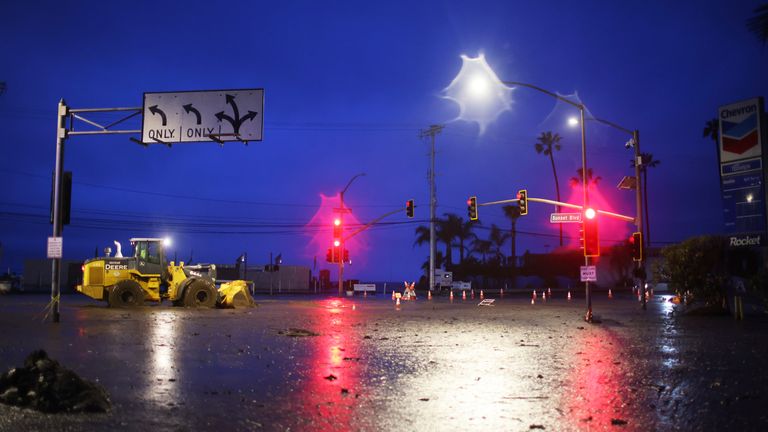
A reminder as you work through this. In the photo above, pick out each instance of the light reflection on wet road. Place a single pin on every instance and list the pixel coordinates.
(430, 365)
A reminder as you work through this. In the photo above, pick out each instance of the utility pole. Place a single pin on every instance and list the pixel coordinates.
(431, 132)
(640, 271)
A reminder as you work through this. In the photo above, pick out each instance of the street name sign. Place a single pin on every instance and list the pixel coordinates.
(194, 116)
(588, 274)
(565, 217)
(55, 247)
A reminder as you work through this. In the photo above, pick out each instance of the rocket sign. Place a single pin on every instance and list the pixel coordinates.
(740, 130)
(214, 115)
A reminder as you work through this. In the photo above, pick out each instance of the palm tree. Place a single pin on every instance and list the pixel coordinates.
(547, 143)
(712, 130)
(497, 237)
(481, 247)
(758, 24)
(443, 234)
(579, 179)
(462, 231)
(438, 262)
(512, 213)
(648, 162)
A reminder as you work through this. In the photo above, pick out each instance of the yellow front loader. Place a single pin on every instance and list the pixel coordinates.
(145, 276)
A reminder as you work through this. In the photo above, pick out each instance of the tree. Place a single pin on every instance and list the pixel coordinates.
(443, 234)
(482, 248)
(497, 237)
(579, 179)
(462, 232)
(696, 269)
(758, 24)
(648, 162)
(512, 212)
(547, 143)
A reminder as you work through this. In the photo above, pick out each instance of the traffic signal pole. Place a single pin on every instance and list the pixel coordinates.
(588, 316)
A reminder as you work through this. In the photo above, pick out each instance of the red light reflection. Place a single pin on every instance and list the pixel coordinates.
(334, 368)
(597, 390)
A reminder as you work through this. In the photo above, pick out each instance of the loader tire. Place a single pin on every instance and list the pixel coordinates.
(200, 294)
(126, 294)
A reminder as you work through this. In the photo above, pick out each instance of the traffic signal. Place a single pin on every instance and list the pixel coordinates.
(345, 255)
(522, 201)
(472, 208)
(337, 229)
(590, 235)
(329, 255)
(409, 208)
(636, 241)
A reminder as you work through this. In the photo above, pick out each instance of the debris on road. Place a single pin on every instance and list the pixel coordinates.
(294, 332)
(43, 384)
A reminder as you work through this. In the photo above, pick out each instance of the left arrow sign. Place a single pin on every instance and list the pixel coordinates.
(155, 110)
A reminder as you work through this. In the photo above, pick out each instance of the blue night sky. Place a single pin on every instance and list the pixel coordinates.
(348, 86)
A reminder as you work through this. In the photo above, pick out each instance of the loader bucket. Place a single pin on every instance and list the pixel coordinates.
(234, 294)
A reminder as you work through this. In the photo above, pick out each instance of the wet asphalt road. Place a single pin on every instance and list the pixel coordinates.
(427, 366)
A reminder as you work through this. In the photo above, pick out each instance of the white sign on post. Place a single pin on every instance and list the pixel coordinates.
(194, 116)
(55, 247)
(588, 274)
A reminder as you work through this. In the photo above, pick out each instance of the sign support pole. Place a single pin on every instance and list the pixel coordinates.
(61, 136)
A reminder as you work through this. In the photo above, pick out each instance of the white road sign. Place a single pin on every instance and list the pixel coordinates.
(214, 115)
(55, 247)
(588, 274)
(564, 217)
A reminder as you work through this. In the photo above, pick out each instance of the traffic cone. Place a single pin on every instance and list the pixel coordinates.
(365, 293)
(533, 300)
(472, 294)
(610, 293)
(451, 296)
(397, 304)
(549, 292)
(393, 294)
(463, 295)
(429, 295)
(501, 292)
(534, 294)
(481, 295)
(569, 296)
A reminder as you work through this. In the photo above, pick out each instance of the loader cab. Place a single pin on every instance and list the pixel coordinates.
(149, 254)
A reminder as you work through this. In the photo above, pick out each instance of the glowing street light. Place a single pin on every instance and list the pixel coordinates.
(573, 121)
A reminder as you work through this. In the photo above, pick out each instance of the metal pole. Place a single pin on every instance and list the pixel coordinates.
(432, 205)
(588, 316)
(639, 220)
(61, 136)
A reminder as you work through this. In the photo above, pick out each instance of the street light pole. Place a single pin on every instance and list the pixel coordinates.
(581, 108)
(341, 240)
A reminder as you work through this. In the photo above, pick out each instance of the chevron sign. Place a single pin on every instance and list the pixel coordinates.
(740, 130)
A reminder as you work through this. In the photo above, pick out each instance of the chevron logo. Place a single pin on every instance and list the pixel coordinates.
(740, 137)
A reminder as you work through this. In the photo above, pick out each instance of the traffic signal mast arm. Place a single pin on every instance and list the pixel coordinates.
(371, 223)
(560, 203)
